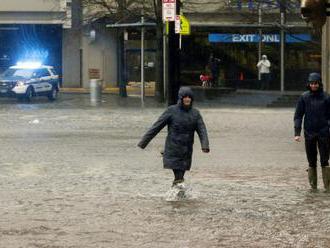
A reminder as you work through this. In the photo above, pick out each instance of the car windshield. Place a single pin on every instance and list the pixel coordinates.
(22, 73)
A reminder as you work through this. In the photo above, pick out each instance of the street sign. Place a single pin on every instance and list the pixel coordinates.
(169, 10)
(185, 25)
(182, 25)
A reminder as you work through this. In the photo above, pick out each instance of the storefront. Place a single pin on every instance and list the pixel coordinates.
(238, 51)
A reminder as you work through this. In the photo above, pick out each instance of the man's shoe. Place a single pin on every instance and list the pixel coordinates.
(326, 178)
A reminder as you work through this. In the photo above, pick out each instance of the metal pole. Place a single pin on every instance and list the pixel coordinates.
(180, 42)
(165, 60)
(142, 61)
(282, 48)
(325, 58)
(325, 52)
(260, 37)
(95, 92)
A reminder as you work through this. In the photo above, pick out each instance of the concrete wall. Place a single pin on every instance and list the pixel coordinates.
(33, 12)
(71, 58)
(326, 55)
(101, 55)
(33, 5)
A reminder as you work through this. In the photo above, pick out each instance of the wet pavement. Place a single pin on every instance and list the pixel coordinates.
(72, 176)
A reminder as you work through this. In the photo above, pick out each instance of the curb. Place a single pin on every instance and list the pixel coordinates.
(130, 91)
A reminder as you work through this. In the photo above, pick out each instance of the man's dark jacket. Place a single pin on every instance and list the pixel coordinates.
(181, 125)
(314, 107)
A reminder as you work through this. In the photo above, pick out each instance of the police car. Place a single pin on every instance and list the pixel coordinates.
(26, 80)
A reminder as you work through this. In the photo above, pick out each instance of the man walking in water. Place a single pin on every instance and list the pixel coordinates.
(314, 107)
(182, 120)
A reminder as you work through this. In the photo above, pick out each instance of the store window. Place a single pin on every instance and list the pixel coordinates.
(239, 57)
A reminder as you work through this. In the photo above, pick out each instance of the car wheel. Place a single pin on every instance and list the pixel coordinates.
(29, 94)
(52, 94)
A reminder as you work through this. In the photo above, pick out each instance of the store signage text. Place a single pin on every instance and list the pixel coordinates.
(253, 38)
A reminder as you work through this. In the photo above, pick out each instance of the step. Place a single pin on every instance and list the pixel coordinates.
(201, 93)
(285, 101)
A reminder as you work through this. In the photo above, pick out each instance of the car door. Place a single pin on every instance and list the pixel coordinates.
(54, 78)
(36, 81)
(44, 78)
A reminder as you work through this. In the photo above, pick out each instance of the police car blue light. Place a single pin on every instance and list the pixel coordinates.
(28, 64)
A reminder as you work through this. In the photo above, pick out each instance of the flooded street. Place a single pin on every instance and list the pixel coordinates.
(71, 175)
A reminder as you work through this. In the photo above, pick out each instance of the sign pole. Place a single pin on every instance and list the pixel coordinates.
(282, 47)
(165, 45)
(142, 62)
(173, 50)
(260, 36)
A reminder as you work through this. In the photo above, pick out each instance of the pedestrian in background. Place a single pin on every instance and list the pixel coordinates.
(314, 107)
(264, 71)
(182, 120)
(214, 65)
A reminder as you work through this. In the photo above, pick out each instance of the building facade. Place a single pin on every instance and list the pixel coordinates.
(54, 31)
(237, 32)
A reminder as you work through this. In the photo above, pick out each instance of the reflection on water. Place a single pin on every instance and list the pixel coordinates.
(319, 198)
(186, 204)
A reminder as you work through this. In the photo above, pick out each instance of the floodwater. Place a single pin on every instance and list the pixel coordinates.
(72, 176)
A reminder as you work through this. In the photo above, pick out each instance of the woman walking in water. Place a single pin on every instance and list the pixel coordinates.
(182, 120)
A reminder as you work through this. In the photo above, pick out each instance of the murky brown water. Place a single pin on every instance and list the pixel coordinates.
(75, 178)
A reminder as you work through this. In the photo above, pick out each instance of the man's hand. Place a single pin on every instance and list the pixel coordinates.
(206, 150)
(297, 138)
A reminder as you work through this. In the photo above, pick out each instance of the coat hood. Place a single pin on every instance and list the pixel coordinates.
(312, 77)
(185, 91)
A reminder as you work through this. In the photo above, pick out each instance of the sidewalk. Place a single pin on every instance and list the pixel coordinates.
(268, 92)
(114, 90)
(217, 98)
(150, 91)
(132, 89)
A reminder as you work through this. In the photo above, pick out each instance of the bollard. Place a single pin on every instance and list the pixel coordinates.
(95, 91)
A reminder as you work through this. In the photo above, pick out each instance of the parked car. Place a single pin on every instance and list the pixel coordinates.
(26, 81)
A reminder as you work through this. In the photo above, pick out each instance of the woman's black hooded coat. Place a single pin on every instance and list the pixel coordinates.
(181, 123)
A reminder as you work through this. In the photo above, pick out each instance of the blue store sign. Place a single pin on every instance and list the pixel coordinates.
(254, 38)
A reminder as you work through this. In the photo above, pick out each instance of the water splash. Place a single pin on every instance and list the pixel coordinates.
(180, 193)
